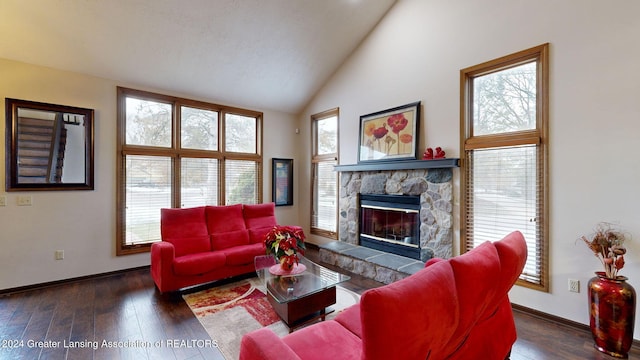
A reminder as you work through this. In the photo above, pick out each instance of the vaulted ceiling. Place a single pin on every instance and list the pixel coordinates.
(259, 54)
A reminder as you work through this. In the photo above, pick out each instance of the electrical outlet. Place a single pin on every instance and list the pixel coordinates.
(59, 254)
(3, 200)
(25, 200)
(574, 285)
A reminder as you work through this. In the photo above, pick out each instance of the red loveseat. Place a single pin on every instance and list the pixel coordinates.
(451, 309)
(208, 243)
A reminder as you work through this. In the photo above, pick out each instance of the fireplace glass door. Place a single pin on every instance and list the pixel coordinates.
(391, 227)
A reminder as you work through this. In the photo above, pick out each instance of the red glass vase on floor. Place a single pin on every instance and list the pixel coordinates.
(612, 310)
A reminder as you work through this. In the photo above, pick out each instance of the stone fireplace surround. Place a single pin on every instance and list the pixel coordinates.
(432, 182)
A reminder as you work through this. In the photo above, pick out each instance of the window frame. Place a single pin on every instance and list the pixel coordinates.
(538, 137)
(176, 153)
(317, 159)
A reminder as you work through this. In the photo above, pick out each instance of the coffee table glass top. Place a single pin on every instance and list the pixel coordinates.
(285, 288)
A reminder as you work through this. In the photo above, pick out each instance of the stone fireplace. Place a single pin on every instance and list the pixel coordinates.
(433, 189)
(429, 185)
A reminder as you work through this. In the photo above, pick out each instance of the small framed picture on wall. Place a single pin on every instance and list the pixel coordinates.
(282, 182)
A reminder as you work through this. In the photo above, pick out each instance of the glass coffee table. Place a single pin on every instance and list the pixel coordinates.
(299, 298)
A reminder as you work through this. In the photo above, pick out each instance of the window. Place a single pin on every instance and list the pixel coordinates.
(175, 152)
(504, 112)
(324, 194)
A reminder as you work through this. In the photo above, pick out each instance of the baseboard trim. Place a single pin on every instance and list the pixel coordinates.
(65, 281)
(560, 321)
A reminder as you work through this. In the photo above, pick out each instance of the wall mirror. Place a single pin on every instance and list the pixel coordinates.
(48, 147)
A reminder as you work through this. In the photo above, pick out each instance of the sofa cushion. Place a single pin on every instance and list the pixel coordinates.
(222, 219)
(243, 255)
(513, 256)
(257, 235)
(471, 271)
(186, 229)
(259, 215)
(483, 340)
(396, 317)
(220, 241)
(350, 319)
(325, 340)
(200, 263)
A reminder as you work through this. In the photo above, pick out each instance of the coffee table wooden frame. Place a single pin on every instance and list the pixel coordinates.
(302, 298)
(306, 309)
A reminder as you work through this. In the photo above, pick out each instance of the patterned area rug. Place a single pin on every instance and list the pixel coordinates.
(229, 311)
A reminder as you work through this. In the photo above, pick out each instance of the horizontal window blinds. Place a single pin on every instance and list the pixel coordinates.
(325, 193)
(148, 189)
(502, 196)
(198, 182)
(241, 181)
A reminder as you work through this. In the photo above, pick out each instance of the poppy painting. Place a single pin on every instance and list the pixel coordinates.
(390, 134)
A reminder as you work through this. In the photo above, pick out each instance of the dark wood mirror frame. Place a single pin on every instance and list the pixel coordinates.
(48, 147)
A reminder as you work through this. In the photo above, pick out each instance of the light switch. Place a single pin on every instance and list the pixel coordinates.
(3, 200)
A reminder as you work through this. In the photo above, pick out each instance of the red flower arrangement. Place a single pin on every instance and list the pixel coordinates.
(284, 243)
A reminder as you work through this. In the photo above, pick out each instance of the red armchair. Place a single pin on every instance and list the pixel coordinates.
(451, 309)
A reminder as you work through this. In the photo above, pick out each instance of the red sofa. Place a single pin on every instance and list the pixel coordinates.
(451, 309)
(208, 243)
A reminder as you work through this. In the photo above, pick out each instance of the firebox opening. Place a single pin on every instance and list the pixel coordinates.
(391, 223)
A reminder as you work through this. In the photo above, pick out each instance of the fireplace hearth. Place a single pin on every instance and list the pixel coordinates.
(391, 223)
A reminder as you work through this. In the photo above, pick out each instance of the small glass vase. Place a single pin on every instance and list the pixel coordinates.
(612, 310)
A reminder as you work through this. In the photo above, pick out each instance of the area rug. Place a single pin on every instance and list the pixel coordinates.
(229, 311)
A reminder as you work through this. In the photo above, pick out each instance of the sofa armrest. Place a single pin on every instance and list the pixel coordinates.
(432, 261)
(162, 255)
(264, 344)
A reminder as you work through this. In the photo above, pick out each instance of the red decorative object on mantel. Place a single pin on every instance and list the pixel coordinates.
(429, 154)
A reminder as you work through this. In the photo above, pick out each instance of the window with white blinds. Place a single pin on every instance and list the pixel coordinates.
(504, 141)
(324, 186)
(198, 182)
(175, 152)
(241, 181)
(148, 185)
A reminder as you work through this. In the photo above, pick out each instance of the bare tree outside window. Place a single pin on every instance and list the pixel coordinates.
(505, 101)
(148, 123)
(240, 134)
(199, 128)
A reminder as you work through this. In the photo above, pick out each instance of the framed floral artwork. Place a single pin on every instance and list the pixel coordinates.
(390, 134)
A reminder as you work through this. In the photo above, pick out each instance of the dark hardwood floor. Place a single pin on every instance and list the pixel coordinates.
(127, 308)
(124, 307)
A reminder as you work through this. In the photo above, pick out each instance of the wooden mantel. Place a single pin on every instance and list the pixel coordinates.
(401, 165)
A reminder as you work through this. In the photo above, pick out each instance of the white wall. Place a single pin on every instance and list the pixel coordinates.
(82, 223)
(416, 53)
